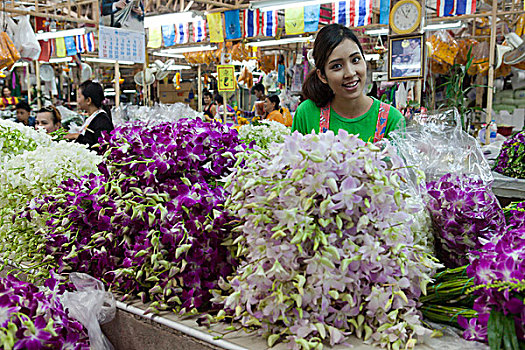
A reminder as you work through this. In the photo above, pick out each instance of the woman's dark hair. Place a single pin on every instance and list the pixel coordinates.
(257, 87)
(95, 91)
(275, 100)
(209, 94)
(326, 41)
(219, 99)
(57, 117)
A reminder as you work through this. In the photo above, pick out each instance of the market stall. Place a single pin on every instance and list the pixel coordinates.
(210, 216)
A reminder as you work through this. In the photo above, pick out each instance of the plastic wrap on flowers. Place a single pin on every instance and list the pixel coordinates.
(264, 133)
(511, 160)
(152, 223)
(30, 175)
(464, 212)
(325, 245)
(437, 145)
(159, 113)
(16, 138)
(499, 284)
(34, 318)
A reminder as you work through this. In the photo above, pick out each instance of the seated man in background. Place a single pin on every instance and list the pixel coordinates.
(23, 114)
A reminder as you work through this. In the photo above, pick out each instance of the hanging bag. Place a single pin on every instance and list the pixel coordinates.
(6, 59)
(25, 39)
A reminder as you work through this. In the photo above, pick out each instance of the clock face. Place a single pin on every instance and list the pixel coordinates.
(406, 17)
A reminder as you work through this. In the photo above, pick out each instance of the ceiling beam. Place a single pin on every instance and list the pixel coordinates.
(217, 3)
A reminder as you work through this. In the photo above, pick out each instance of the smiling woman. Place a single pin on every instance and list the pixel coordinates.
(334, 91)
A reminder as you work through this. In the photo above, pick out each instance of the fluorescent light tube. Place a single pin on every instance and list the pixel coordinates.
(109, 90)
(60, 34)
(372, 57)
(170, 18)
(178, 67)
(189, 49)
(129, 91)
(172, 55)
(272, 5)
(109, 94)
(382, 31)
(103, 60)
(60, 59)
(280, 41)
(445, 25)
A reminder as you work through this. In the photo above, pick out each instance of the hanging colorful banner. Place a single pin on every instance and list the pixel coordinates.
(252, 23)
(52, 47)
(45, 50)
(168, 35)
(352, 13)
(232, 25)
(270, 22)
(294, 20)
(122, 45)
(384, 11)
(215, 26)
(71, 47)
(61, 47)
(154, 37)
(183, 33)
(90, 41)
(199, 31)
(80, 43)
(311, 18)
(455, 7)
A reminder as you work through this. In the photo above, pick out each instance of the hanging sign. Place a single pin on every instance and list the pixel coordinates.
(226, 78)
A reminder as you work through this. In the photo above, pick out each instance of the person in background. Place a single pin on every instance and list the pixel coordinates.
(334, 91)
(258, 91)
(23, 114)
(49, 119)
(273, 110)
(7, 100)
(210, 109)
(219, 100)
(90, 99)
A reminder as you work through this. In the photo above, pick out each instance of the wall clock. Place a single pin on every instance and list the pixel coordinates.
(405, 16)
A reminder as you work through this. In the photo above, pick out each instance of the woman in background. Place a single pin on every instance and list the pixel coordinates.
(49, 119)
(7, 100)
(89, 99)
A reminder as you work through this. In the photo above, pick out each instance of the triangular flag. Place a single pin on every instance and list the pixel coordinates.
(71, 46)
(232, 24)
(311, 18)
(61, 47)
(252, 23)
(215, 26)
(269, 23)
(154, 38)
(168, 35)
(183, 33)
(294, 20)
(199, 31)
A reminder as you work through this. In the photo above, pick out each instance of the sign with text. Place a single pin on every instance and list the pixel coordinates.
(226, 78)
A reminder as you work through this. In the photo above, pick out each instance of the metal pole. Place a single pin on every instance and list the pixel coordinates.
(28, 81)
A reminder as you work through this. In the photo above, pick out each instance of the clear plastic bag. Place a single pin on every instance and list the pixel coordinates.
(92, 306)
(437, 145)
(450, 340)
(25, 39)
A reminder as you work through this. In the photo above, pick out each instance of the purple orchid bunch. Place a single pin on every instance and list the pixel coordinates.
(464, 212)
(151, 224)
(325, 244)
(34, 318)
(515, 214)
(511, 160)
(499, 278)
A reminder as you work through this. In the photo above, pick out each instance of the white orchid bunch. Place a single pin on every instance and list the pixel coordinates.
(263, 133)
(32, 174)
(16, 138)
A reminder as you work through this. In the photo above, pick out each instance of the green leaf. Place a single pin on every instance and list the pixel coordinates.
(272, 339)
(495, 330)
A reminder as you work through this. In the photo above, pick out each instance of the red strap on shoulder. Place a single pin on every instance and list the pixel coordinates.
(324, 119)
(382, 120)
